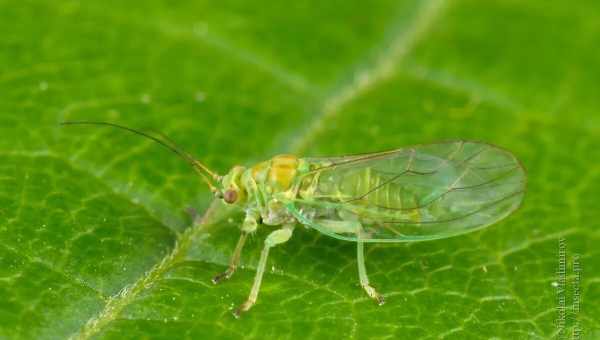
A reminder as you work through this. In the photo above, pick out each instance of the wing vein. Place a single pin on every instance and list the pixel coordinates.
(408, 170)
(495, 179)
(459, 217)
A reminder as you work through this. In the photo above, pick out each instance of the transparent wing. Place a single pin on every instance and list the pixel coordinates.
(417, 193)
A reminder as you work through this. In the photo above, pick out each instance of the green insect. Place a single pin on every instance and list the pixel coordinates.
(416, 193)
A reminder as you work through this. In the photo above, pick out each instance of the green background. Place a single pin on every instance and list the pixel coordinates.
(94, 238)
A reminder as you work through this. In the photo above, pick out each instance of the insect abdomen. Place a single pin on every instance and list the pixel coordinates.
(368, 187)
(373, 188)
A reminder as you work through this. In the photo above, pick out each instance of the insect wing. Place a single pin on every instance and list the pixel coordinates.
(417, 193)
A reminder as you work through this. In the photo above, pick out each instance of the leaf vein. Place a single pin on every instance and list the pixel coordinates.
(366, 78)
(128, 294)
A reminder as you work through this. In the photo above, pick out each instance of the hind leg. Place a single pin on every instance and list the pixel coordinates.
(362, 274)
(354, 227)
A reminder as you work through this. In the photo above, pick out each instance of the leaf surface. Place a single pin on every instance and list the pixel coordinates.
(94, 238)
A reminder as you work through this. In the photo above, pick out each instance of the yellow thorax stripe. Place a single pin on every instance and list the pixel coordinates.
(283, 170)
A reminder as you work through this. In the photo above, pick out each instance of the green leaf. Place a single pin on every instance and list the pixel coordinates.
(94, 238)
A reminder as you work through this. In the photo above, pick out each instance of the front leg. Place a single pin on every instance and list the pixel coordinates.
(277, 237)
(249, 226)
(233, 262)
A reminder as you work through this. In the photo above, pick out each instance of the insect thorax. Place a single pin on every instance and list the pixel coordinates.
(268, 183)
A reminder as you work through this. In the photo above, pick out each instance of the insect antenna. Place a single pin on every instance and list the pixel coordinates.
(187, 155)
(166, 142)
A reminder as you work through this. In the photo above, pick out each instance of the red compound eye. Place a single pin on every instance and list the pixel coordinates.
(230, 196)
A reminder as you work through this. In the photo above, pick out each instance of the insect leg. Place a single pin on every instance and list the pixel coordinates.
(233, 263)
(248, 227)
(335, 226)
(277, 237)
(362, 273)
(350, 226)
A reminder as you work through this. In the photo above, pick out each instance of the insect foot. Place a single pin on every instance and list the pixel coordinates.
(222, 276)
(379, 299)
(243, 308)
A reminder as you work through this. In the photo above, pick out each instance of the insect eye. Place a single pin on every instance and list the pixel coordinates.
(230, 196)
